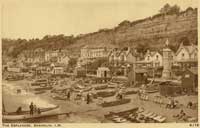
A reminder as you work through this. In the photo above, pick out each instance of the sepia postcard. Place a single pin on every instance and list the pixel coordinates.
(99, 63)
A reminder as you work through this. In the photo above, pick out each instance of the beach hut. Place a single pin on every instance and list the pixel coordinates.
(103, 72)
(80, 72)
(139, 78)
(190, 79)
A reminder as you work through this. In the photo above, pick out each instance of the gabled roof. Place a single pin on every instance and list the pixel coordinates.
(190, 49)
(152, 53)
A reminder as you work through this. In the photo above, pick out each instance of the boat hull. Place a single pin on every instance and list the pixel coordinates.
(26, 116)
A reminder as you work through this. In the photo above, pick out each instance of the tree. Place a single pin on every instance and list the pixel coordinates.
(174, 10)
(142, 47)
(167, 9)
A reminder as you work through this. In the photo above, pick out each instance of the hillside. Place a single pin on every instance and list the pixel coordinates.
(151, 31)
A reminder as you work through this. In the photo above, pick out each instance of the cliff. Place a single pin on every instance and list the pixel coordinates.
(153, 30)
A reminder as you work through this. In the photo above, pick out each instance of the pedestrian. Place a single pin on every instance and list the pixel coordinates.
(88, 98)
(68, 95)
(38, 111)
(31, 108)
(189, 105)
(19, 110)
(34, 108)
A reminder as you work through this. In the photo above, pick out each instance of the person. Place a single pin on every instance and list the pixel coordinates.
(189, 105)
(19, 110)
(31, 108)
(38, 111)
(34, 108)
(88, 98)
(169, 103)
(172, 105)
(68, 95)
(181, 115)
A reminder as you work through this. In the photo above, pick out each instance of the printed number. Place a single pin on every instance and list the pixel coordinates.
(194, 125)
(57, 125)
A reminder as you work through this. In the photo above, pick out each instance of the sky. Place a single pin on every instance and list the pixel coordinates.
(37, 18)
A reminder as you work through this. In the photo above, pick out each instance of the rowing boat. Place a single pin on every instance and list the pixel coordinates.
(27, 111)
(24, 115)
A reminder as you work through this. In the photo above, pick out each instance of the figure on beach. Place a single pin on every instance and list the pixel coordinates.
(19, 110)
(31, 108)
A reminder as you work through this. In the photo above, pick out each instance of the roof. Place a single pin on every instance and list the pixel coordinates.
(140, 70)
(194, 70)
(190, 49)
(104, 68)
(152, 53)
(118, 52)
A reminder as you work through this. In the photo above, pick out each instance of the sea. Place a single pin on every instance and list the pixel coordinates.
(12, 100)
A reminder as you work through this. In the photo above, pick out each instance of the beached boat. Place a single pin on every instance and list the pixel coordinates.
(86, 89)
(115, 102)
(40, 92)
(14, 78)
(120, 117)
(57, 97)
(39, 82)
(43, 88)
(151, 91)
(25, 115)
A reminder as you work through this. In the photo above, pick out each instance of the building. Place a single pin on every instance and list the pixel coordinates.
(33, 56)
(57, 56)
(189, 52)
(88, 52)
(187, 56)
(125, 55)
(80, 72)
(64, 60)
(167, 61)
(137, 76)
(57, 70)
(14, 69)
(153, 58)
(190, 79)
(103, 72)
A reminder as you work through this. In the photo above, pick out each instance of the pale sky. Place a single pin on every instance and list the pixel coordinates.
(37, 18)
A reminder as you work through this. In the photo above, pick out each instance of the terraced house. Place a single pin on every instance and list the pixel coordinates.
(187, 55)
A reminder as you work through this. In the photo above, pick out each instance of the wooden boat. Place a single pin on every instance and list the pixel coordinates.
(42, 88)
(82, 90)
(151, 91)
(40, 92)
(27, 111)
(59, 97)
(39, 82)
(24, 115)
(122, 115)
(14, 78)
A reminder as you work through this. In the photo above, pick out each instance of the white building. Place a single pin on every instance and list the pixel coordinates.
(57, 70)
(154, 57)
(103, 72)
(187, 53)
(93, 52)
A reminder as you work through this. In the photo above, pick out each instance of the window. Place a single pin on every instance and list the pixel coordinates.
(122, 57)
(112, 58)
(148, 58)
(195, 55)
(156, 57)
(183, 55)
